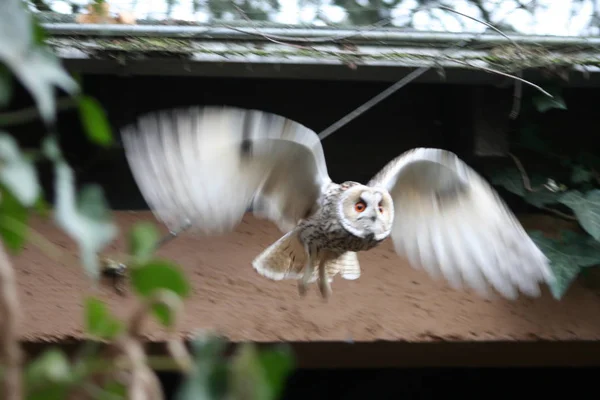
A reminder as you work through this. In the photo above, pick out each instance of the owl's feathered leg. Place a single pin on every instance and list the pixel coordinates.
(324, 284)
(309, 269)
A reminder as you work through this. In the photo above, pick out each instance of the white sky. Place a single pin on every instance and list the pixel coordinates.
(552, 17)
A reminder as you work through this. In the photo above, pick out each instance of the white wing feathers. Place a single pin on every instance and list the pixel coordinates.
(451, 222)
(209, 165)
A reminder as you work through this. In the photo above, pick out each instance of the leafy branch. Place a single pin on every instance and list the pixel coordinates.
(113, 363)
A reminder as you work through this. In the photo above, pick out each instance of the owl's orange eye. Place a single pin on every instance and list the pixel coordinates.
(360, 206)
(380, 208)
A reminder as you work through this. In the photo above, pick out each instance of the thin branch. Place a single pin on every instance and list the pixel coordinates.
(327, 39)
(524, 176)
(494, 71)
(560, 214)
(415, 74)
(517, 97)
(481, 22)
(527, 186)
(372, 102)
(32, 113)
(10, 351)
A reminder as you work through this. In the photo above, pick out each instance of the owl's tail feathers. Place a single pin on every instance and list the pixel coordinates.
(284, 259)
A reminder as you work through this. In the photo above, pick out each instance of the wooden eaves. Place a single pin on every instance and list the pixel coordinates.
(393, 315)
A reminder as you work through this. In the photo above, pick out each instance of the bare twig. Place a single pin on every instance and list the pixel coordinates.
(494, 71)
(143, 383)
(527, 186)
(560, 214)
(524, 176)
(327, 39)
(481, 22)
(418, 72)
(10, 351)
(32, 113)
(372, 102)
(517, 95)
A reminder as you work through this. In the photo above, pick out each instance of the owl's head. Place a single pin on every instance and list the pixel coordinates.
(366, 211)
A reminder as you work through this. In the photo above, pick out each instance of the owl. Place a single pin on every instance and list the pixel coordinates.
(207, 166)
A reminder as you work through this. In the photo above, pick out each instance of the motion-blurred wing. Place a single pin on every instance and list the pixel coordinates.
(451, 222)
(207, 165)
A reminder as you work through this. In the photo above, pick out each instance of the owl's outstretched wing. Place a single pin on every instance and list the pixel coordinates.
(209, 165)
(451, 222)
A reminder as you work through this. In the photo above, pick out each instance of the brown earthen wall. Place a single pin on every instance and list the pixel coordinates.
(390, 302)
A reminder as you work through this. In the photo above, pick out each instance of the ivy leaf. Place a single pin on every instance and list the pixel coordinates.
(511, 179)
(38, 69)
(17, 172)
(99, 321)
(544, 103)
(259, 375)
(580, 174)
(208, 378)
(94, 121)
(13, 220)
(542, 197)
(567, 256)
(143, 238)
(159, 274)
(86, 221)
(586, 208)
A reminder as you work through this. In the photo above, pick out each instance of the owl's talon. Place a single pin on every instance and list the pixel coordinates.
(325, 289)
(302, 289)
(324, 285)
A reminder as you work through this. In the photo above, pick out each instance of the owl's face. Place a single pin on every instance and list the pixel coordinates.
(366, 211)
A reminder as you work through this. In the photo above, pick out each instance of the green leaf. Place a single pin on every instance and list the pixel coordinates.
(33, 64)
(544, 103)
(208, 378)
(586, 208)
(42, 207)
(580, 174)
(92, 203)
(17, 172)
(99, 321)
(51, 148)
(159, 274)
(567, 256)
(52, 367)
(259, 375)
(94, 121)
(13, 221)
(277, 363)
(86, 221)
(39, 33)
(509, 178)
(143, 238)
(48, 377)
(112, 390)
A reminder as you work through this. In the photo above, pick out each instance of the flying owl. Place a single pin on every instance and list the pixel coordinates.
(208, 166)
